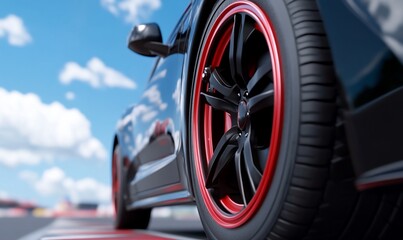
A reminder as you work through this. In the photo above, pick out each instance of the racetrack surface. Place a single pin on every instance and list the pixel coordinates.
(100, 228)
(12, 228)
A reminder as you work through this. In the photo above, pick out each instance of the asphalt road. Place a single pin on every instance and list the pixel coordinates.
(16, 227)
(31, 228)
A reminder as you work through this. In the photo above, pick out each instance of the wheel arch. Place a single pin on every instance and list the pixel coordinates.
(200, 16)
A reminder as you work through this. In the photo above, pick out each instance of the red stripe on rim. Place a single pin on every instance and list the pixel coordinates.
(239, 215)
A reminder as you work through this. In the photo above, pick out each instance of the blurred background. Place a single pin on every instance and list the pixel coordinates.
(66, 76)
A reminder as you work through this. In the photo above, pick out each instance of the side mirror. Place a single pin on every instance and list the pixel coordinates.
(146, 39)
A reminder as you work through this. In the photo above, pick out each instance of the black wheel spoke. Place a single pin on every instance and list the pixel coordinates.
(262, 157)
(261, 101)
(223, 153)
(219, 103)
(218, 84)
(238, 169)
(264, 67)
(240, 33)
(253, 173)
(234, 113)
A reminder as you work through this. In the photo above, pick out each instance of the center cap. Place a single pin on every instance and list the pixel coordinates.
(242, 114)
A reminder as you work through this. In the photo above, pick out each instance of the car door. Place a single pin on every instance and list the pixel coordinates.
(156, 123)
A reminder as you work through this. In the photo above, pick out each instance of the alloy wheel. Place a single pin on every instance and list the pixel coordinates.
(237, 114)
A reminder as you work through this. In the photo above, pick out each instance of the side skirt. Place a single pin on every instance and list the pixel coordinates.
(174, 198)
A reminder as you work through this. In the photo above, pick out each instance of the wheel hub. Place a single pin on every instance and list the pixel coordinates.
(237, 114)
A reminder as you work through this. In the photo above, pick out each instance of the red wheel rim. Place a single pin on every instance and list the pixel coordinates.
(216, 158)
(115, 180)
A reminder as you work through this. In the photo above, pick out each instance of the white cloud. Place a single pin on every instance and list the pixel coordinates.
(96, 74)
(177, 94)
(89, 190)
(12, 27)
(145, 112)
(16, 157)
(159, 75)
(91, 148)
(70, 96)
(28, 176)
(141, 112)
(32, 131)
(54, 182)
(111, 6)
(154, 96)
(148, 116)
(133, 10)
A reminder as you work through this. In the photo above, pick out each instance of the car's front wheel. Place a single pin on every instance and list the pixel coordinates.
(262, 121)
(266, 157)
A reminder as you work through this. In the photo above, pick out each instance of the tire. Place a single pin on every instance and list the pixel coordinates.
(124, 218)
(267, 158)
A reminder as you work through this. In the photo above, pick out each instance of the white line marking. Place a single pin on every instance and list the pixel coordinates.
(165, 235)
(94, 236)
(38, 233)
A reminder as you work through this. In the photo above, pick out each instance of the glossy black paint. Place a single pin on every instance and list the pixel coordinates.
(153, 134)
(149, 132)
(146, 39)
(366, 65)
(366, 39)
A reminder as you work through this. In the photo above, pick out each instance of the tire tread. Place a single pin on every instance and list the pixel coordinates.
(322, 201)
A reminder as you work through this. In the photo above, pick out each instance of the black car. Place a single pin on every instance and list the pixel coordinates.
(280, 119)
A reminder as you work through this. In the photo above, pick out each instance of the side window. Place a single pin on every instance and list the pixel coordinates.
(177, 41)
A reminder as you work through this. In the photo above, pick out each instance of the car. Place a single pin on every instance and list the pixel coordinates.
(279, 119)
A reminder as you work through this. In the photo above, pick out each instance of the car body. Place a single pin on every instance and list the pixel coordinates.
(366, 43)
(370, 79)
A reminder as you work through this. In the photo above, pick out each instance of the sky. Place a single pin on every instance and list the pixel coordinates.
(66, 77)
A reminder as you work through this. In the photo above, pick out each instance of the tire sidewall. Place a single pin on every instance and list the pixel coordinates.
(261, 224)
(121, 205)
